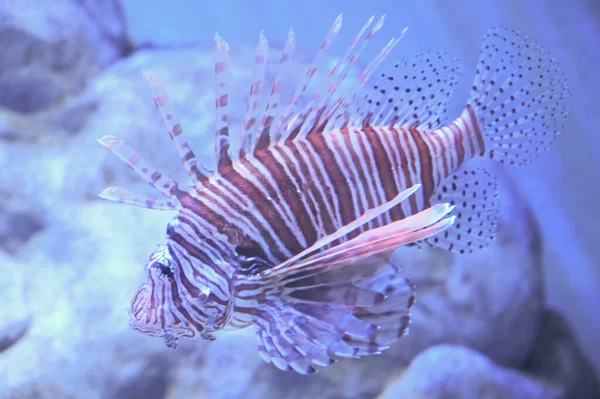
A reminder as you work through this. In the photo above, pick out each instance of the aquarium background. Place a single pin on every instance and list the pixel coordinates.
(520, 320)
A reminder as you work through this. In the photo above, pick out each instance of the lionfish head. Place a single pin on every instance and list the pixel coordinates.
(165, 306)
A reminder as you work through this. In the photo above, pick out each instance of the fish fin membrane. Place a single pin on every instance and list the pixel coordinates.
(520, 96)
(164, 184)
(413, 92)
(125, 196)
(366, 310)
(222, 141)
(474, 194)
(329, 105)
(167, 110)
(375, 241)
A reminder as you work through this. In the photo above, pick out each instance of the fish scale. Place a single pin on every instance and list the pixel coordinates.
(293, 234)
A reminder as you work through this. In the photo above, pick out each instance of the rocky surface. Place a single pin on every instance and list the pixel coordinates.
(447, 371)
(50, 50)
(558, 358)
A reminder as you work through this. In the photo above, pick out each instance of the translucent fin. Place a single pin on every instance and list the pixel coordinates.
(323, 98)
(266, 125)
(474, 194)
(345, 230)
(414, 92)
(250, 125)
(125, 196)
(520, 96)
(339, 110)
(414, 228)
(305, 336)
(167, 186)
(284, 127)
(222, 141)
(162, 101)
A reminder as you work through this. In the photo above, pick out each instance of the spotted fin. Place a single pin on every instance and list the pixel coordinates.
(475, 196)
(413, 92)
(520, 97)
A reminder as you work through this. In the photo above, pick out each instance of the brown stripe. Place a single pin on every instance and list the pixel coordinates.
(201, 238)
(411, 159)
(385, 173)
(460, 144)
(176, 131)
(155, 176)
(478, 134)
(317, 188)
(370, 175)
(443, 153)
(336, 177)
(263, 205)
(386, 135)
(290, 196)
(362, 177)
(235, 235)
(426, 163)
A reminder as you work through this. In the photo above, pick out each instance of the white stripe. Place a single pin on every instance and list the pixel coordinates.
(373, 181)
(279, 204)
(332, 199)
(303, 195)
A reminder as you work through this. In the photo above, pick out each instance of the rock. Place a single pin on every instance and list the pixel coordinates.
(144, 378)
(557, 358)
(50, 51)
(491, 300)
(449, 371)
(20, 221)
(13, 333)
(124, 107)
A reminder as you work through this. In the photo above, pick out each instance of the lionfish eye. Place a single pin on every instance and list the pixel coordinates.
(164, 269)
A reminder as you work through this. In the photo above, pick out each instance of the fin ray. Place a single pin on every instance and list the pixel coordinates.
(167, 186)
(163, 103)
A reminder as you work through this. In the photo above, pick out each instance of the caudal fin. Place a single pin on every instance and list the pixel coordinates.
(519, 95)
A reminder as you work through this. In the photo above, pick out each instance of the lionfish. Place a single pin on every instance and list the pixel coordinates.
(294, 234)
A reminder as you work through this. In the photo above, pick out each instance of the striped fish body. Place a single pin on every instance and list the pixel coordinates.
(294, 234)
(286, 197)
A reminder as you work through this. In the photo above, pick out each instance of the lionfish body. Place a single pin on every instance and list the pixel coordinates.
(294, 234)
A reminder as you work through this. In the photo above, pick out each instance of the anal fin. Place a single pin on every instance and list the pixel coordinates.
(474, 193)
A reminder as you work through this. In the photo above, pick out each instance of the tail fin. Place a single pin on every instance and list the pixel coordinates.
(519, 95)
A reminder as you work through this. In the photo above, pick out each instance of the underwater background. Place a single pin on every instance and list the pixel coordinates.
(518, 320)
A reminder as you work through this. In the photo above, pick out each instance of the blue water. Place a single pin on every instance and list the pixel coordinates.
(69, 263)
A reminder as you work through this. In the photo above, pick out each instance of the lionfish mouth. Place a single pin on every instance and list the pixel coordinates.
(147, 318)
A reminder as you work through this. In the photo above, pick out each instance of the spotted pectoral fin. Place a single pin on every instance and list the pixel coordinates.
(474, 194)
(348, 313)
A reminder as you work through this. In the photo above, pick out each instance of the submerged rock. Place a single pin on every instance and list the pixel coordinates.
(50, 50)
(448, 371)
(491, 300)
(557, 358)
(13, 333)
